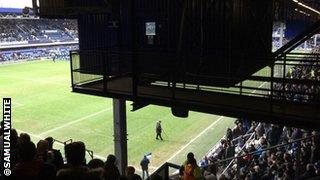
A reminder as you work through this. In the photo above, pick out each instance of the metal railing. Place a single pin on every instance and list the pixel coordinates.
(90, 152)
(268, 83)
(163, 172)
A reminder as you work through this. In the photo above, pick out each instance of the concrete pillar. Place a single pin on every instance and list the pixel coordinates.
(120, 133)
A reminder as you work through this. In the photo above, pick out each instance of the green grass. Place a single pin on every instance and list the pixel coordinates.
(43, 105)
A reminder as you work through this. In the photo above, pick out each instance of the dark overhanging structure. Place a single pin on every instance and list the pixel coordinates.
(190, 55)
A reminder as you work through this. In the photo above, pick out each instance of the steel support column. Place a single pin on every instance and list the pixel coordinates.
(120, 133)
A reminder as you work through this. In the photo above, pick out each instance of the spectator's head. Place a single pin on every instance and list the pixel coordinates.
(111, 159)
(239, 125)
(95, 163)
(13, 137)
(24, 137)
(27, 151)
(42, 146)
(50, 142)
(130, 170)
(190, 156)
(75, 153)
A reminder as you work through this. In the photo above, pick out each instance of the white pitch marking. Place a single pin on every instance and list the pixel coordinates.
(75, 121)
(259, 87)
(195, 138)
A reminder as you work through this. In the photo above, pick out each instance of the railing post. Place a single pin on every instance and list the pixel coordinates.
(315, 94)
(284, 76)
(105, 62)
(71, 68)
(271, 88)
(166, 171)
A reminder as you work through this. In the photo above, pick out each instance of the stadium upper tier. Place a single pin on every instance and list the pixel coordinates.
(30, 31)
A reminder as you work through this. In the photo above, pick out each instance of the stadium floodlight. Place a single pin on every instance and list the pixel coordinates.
(306, 6)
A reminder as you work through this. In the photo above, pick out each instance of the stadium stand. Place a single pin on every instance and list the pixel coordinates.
(37, 30)
(270, 156)
(33, 38)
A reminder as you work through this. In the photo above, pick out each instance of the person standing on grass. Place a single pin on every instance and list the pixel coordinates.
(144, 166)
(159, 130)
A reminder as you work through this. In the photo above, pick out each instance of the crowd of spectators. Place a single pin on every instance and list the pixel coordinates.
(302, 92)
(14, 31)
(59, 53)
(37, 30)
(42, 162)
(260, 157)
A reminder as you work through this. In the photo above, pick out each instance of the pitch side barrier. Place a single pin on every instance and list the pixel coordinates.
(10, 47)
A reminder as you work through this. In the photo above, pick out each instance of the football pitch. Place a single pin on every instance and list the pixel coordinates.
(43, 105)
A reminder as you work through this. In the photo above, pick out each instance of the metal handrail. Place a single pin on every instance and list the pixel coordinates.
(247, 142)
(63, 142)
(90, 152)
